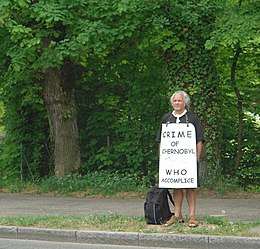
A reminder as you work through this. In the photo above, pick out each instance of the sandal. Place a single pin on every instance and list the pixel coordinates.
(173, 220)
(193, 222)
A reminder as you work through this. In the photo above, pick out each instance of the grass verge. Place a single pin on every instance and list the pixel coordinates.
(208, 225)
(116, 184)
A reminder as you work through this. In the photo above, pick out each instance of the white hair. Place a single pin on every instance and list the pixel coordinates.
(187, 100)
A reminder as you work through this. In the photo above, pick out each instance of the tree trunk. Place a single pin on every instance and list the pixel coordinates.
(239, 108)
(61, 109)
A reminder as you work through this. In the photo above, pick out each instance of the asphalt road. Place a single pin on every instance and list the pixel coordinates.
(23, 204)
(30, 244)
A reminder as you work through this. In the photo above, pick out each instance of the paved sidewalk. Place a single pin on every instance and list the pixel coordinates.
(22, 204)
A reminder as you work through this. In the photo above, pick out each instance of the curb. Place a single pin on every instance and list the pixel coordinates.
(130, 239)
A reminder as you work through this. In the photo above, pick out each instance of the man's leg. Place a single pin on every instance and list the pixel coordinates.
(177, 217)
(191, 199)
(178, 198)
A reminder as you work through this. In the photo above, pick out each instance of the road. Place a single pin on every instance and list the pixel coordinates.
(29, 244)
(22, 204)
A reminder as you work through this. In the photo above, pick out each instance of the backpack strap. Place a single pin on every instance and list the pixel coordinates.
(187, 120)
(168, 119)
(170, 197)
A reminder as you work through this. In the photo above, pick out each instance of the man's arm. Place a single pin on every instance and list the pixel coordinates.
(199, 149)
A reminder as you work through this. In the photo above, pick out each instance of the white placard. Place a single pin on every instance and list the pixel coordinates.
(178, 160)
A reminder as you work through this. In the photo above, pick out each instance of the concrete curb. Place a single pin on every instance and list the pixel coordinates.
(130, 239)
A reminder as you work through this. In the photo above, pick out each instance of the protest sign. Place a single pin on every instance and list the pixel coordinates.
(178, 160)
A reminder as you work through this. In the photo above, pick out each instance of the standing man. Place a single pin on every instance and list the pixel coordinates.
(180, 102)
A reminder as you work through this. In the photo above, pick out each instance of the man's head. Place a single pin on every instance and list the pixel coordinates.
(180, 101)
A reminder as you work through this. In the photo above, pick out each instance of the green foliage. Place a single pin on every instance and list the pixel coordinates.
(193, 69)
(217, 220)
(237, 27)
(222, 184)
(18, 186)
(25, 151)
(101, 182)
(1, 116)
(95, 183)
(128, 57)
(248, 172)
(123, 116)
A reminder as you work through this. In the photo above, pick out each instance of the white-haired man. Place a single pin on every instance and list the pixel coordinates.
(180, 102)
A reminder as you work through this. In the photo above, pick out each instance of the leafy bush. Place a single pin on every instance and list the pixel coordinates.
(97, 182)
(221, 184)
(1, 117)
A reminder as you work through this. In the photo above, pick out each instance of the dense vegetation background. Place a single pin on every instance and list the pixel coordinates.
(84, 85)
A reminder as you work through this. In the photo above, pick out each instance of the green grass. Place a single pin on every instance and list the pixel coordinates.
(208, 225)
(102, 183)
(105, 183)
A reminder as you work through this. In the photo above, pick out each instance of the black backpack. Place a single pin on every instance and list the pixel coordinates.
(156, 207)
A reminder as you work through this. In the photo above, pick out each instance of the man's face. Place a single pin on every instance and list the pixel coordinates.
(178, 103)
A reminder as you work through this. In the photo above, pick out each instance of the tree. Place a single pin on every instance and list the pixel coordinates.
(236, 34)
(84, 83)
(48, 39)
(36, 29)
(189, 66)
